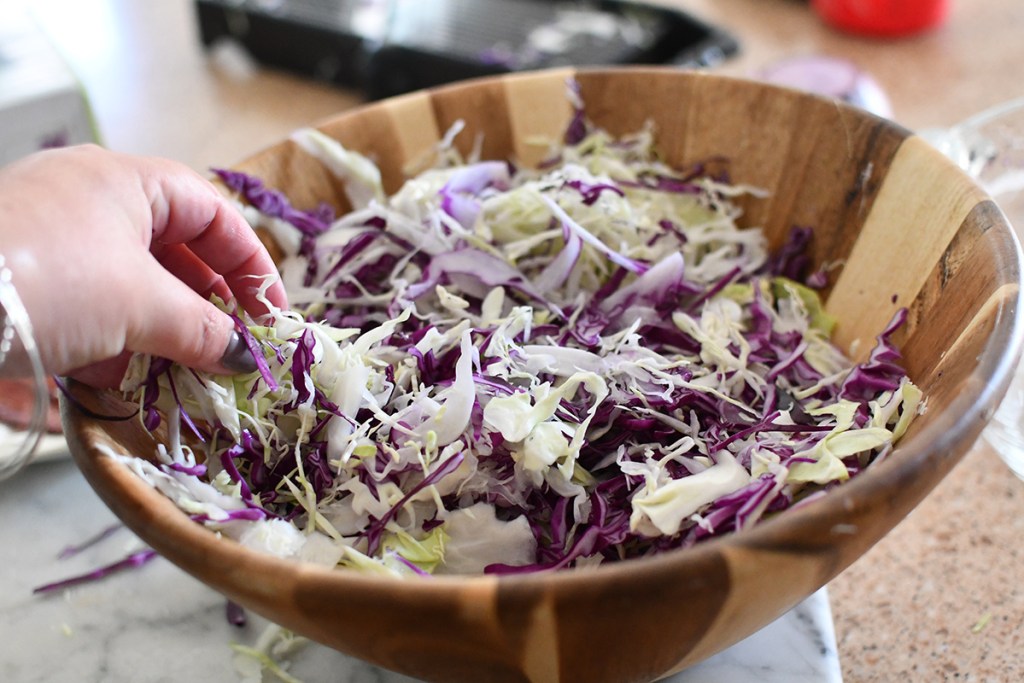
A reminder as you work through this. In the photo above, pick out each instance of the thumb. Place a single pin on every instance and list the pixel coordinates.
(182, 326)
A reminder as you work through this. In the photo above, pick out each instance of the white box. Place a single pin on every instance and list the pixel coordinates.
(42, 104)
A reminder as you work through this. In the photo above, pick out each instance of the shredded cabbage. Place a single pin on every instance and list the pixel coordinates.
(504, 369)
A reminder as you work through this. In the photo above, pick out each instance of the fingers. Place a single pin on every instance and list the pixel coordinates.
(230, 247)
(179, 324)
(190, 269)
(204, 246)
(188, 210)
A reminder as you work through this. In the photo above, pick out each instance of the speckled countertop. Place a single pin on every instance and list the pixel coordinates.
(942, 597)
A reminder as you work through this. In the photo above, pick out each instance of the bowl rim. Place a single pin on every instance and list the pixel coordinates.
(967, 416)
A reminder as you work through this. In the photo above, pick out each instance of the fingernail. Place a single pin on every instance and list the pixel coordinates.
(237, 356)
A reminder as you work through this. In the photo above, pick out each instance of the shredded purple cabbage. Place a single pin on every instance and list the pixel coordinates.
(678, 349)
(136, 559)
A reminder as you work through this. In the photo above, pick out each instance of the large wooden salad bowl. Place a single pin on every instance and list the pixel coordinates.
(902, 226)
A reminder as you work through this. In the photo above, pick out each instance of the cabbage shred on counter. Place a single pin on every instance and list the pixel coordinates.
(501, 369)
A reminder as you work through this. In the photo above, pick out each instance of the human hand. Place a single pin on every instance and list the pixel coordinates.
(113, 254)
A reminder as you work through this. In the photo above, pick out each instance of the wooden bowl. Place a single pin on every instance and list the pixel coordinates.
(904, 228)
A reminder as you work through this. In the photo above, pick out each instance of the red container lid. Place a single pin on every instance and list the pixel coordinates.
(882, 17)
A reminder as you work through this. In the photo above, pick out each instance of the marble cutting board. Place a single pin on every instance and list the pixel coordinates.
(156, 623)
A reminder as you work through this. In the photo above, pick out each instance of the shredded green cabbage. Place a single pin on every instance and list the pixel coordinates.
(506, 369)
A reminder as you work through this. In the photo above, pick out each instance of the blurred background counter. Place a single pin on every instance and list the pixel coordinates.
(942, 597)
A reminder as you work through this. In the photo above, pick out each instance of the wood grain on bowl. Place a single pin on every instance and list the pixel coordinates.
(896, 223)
